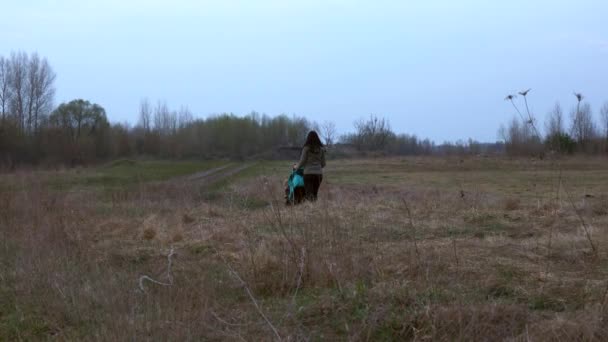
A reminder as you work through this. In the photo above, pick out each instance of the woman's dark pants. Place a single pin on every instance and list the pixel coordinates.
(311, 186)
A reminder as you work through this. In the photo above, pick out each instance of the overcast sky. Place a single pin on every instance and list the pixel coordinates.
(439, 69)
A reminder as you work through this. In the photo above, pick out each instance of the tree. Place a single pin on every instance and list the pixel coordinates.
(582, 128)
(83, 130)
(556, 138)
(604, 119)
(120, 142)
(519, 138)
(554, 125)
(372, 134)
(4, 87)
(328, 132)
(298, 130)
(26, 90)
(18, 79)
(604, 124)
(144, 114)
(26, 98)
(41, 90)
(184, 117)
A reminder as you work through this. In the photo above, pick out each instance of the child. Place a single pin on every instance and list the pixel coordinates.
(294, 187)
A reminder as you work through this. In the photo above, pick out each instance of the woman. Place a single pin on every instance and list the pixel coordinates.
(313, 162)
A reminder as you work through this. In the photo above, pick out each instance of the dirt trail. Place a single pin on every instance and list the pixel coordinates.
(212, 176)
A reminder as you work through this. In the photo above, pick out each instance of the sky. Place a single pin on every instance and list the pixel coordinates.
(437, 68)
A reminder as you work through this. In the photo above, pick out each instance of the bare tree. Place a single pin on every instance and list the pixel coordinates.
(4, 86)
(297, 131)
(173, 122)
(604, 120)
(26, 90)
(39, 90)
(328, 132)
(145, 113)
(373, 134)
(31, 79)
(162, 118)
(520, 137)
(554, 124)
(582, 128)
(184, 117)
(18, 79)
(44, 93)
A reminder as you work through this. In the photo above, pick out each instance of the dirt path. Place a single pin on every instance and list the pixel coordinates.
(212, 176)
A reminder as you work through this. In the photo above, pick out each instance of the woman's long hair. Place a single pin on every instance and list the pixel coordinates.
(313, 141)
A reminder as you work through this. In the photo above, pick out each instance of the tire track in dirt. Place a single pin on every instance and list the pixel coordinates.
(204, 174)
(215, 175)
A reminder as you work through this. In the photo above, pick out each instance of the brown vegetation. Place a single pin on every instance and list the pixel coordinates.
(395, 249)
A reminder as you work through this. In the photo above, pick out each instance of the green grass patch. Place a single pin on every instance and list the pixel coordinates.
(547, 302)
(478, 231)
(256, 169)
(201, 249)
(123, 173)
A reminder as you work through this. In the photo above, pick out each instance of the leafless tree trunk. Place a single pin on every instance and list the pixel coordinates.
(4, 86)
(18, 79)
(583, 128)
(604, 123)
(328, 131)
(518, 137)
(184, 117)
(162, 120)
(555, 121)
(145, 113)
(26, 90)
(33, 67)
(44, 93)
(604, 118)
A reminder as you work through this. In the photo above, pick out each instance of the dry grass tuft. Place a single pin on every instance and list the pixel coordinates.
(149, 233)
(599, 206)
(512, 204)
(177, 237)
(187, 219)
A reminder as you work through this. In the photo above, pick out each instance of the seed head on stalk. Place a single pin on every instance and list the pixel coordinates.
(579, 98)
(510, 98)
(530, 120)
(525, 92)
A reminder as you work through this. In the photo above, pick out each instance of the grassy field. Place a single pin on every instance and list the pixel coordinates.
(395, 249)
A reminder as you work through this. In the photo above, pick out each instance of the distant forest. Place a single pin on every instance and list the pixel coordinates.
(35, 131)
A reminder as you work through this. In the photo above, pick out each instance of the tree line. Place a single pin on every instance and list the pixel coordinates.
(26, 99)
(33, 130)
(579, 132)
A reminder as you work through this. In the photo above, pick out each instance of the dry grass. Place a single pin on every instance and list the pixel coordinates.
(357, 265)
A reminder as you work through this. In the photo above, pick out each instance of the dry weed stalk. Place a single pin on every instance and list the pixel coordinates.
(582, 221)
(555, 211)
(300, 273)
(604, 298)
(249, 294)
(169, 274)
(278, 223)
(579, 98)
(413, 228)
(455, 252)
